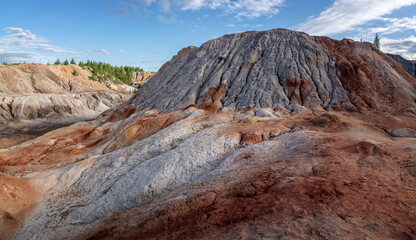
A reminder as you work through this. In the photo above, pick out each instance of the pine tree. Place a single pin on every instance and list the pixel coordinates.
(72, 61)
(81, 64)
(377, 41)
(57, 62)
(66, 62)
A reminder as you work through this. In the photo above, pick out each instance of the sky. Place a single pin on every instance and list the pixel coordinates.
(147, 33)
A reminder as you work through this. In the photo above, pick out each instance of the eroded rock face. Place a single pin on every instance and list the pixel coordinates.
(269, 163)
(52, 93)
(281, 68)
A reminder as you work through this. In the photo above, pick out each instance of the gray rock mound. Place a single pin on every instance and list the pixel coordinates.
(278, 69)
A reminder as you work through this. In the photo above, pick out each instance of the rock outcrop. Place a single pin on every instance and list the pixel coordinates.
(274, 135)
(408, 65)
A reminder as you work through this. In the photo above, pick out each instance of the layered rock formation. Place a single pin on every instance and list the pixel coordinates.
(408, 65)
(36, 91)
(286, 136)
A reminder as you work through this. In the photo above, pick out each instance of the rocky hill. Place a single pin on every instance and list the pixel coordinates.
(408, 65)
(275, 135)
(280, 69)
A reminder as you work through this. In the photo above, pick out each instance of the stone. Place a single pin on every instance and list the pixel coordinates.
(404, 132)
(262, 112)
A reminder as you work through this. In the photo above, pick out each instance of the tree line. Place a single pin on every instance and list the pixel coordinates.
(102, 71)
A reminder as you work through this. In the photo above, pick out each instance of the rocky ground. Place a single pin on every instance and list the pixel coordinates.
(332, 157)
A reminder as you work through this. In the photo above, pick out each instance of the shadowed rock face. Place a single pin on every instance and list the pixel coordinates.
(280, 68)
(211, 171)
(409, 66)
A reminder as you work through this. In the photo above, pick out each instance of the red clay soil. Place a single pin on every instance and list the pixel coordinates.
(17, 200)
(139, 129)
(52, 149)
(73, 143)
(356, 189)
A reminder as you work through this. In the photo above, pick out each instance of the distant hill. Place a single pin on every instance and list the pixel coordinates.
(408, 65)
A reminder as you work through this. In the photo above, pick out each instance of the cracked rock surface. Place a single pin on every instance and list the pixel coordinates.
(280, 68)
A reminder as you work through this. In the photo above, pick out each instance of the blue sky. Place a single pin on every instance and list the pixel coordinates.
(147, 33)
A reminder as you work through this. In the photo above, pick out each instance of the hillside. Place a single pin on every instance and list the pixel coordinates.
(274, 135)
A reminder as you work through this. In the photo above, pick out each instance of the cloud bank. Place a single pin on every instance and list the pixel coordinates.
(405, 47)
(21, 45)
(345, 15)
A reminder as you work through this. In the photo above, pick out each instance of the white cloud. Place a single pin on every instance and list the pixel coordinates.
(147, 61)
(164, 19)
(405, 47)
(397, 25)
(344, 15)
(121, 50)
(23, 56)
(238, 8)
(164, 5)
(230, 25)
(19, 38)
(21, 45)
(98, 51)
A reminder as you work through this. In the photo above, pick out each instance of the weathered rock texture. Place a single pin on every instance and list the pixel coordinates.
(36, 91)
(208, 176)
(211, 171)
(280, 68)
(408, 65)
(141, 77)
